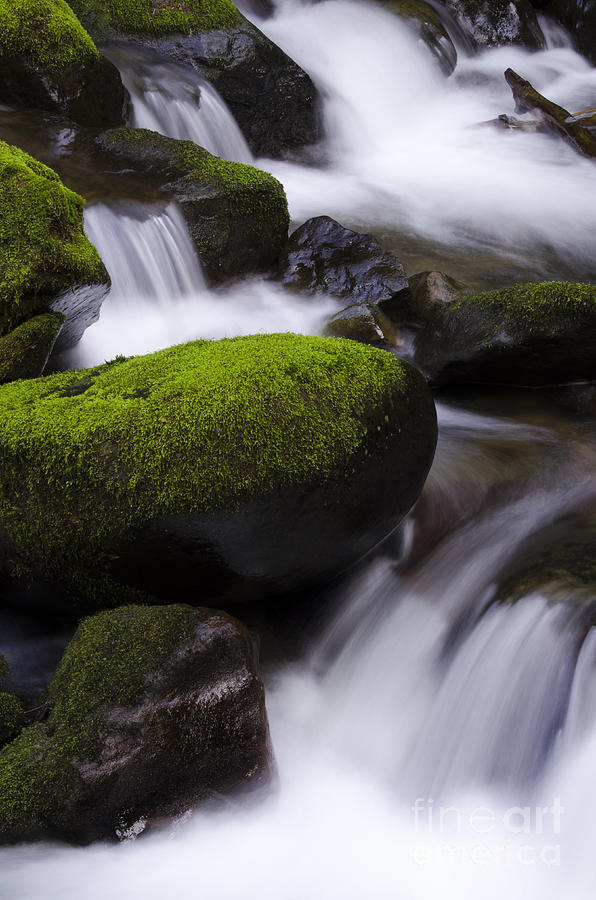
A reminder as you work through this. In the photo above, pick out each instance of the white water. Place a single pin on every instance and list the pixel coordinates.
(159, 296)
(175, 101)
(408, 159)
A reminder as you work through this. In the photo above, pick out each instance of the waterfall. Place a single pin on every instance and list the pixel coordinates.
(176, 101)
(159, 296)
(411, 159)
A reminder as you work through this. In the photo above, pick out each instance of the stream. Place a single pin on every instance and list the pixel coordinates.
(431, 739)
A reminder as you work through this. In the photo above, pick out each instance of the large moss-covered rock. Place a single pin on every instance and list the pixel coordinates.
(25, 351)
(490, 23)
(237, 215)
(48, 61)
(528, 334)
(46, 261)
(427, 24)
(288, 456)
(273, 100)
(153, 711)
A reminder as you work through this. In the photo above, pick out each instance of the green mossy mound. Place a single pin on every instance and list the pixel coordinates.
(89, 457)
(43, 248)
(527, 334)
(152, 710)
(24, 352)
(48, 61)
(155, 17)
(237, 215)
(12, 717)
(46, 33)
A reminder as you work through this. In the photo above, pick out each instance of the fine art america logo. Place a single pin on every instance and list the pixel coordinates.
(481, 835)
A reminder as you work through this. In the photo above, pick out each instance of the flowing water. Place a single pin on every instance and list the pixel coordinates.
(433, 739)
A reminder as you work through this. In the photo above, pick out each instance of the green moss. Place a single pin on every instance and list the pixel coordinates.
(24, 351)
(191, 166)
(108, 664)
(157, 17)
(4, 668)
(84, 456)
(11, 717)
(524, 309)
(46, 33)
(43, 248)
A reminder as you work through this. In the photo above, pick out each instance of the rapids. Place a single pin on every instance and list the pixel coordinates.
(429, 741)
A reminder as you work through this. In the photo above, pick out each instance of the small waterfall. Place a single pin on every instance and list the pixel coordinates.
(176, 101)
(159, 296)
(555, 35)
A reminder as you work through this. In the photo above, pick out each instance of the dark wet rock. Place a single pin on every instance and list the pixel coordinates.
(364, 323)
(527, 335)
(48, 61)
(286, 458)
(47, 262)
(323, 256)
(511, 123)
(237, 215)
(427, 24)
(273, 100)
(579, 18)
(25, 351)
(556, 118)
(431, 293)
(153, 710)
(492, 23)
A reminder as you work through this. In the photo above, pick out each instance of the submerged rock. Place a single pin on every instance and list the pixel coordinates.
(48, 61)
(428, 26)
(46, 263)
(25, 351)
(285, 458)
(237, 215)
(529, 335)
(273, 100)
(323, 256)
(556, 118)
(153, 710)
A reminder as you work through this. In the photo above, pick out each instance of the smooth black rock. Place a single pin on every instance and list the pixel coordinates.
(323, 256)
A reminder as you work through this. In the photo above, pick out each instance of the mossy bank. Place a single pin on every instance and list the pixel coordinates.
(288, 455)
(45, 258)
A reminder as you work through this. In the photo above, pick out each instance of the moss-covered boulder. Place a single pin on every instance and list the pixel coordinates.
(273, 100)
(284, 457)
(46, 261)
(24, 352)
(12, 717)
(48, 61)
(528, 335)
(427, 24)
(491, 23)
(153, 711)
(237, 215)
